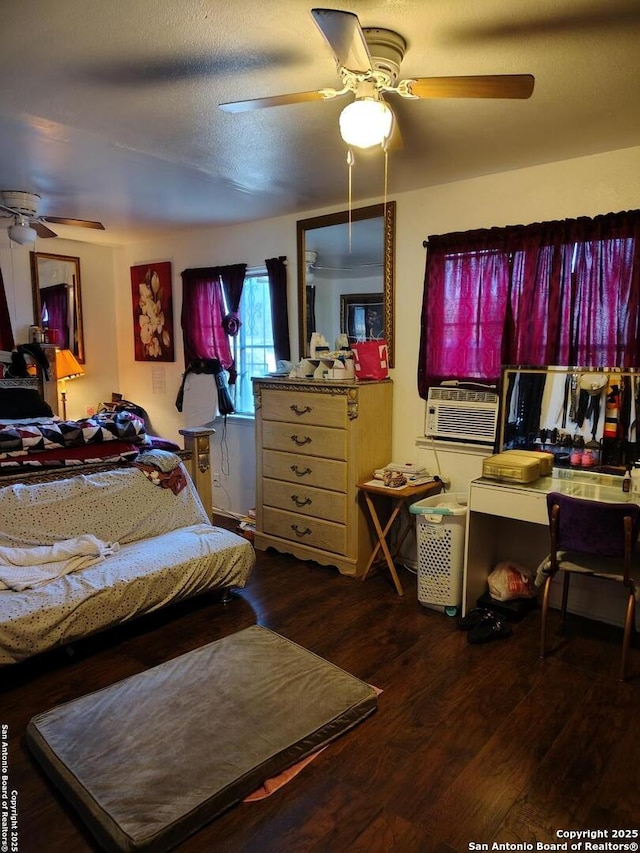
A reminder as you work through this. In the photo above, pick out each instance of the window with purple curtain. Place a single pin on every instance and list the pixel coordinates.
(203, 309)
(564, 292)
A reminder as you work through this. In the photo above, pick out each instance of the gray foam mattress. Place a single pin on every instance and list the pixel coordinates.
(151, 759)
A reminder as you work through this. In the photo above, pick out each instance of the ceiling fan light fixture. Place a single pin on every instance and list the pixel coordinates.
(21, 232)
(366, 122)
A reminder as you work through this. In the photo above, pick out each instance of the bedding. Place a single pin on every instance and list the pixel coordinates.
(114, 436)
(71, 457)
(27, 568)
(55, 435)
(34, 440)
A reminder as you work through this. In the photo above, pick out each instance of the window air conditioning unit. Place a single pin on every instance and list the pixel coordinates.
(457, 414)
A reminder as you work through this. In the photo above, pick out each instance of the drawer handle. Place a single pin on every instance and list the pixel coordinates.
(300, 441)
(300, 472)
(306, 532)
(297, 410)
(298, 502)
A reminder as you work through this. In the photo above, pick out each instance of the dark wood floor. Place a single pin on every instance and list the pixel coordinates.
(469, 743)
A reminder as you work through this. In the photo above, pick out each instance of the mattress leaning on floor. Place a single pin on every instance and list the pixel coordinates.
(153, 758)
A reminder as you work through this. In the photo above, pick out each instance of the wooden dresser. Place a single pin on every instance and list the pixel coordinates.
(315, 441)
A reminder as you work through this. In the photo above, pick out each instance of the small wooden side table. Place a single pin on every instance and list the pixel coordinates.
(399, 506)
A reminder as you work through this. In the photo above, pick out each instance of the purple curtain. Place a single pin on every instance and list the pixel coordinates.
(277, 272)
(201, 319)
(464, 307)
(6, 333)
(232, 282)
(563, 292)
(56, 301)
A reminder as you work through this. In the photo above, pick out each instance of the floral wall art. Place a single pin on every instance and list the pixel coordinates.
(152, 312)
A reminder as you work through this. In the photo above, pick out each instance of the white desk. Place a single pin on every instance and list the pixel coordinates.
(510, 522)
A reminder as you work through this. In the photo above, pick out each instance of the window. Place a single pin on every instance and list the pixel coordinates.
(253, 349)
(564, 292)
(213, 297)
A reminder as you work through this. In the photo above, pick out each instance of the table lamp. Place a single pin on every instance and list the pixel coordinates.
(67, 367)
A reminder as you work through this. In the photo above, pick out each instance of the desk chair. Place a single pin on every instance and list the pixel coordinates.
(596, 539)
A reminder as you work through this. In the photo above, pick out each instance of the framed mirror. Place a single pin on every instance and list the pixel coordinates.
(342, 262)
(585, 416)
(57, 300)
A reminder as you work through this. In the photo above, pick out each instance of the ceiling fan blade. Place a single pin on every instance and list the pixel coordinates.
(486, 86)
(272, 101)
(344, 36)
(78, 223)
(41, 229)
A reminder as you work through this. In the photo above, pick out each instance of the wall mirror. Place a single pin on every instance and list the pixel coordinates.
(57, 300)
(350, 262)
(586, 417)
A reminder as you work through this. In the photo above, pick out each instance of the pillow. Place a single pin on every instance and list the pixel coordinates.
(23, 403)
(161, 459)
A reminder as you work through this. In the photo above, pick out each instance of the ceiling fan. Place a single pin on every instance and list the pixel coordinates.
(23, 208)
(368, 61)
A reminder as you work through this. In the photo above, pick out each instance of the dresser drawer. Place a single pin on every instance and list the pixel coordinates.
(304, 499)
(300, 408)
(308, 470)
(305, 439)
(306, 530)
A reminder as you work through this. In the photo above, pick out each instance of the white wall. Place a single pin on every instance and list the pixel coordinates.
(582, 187)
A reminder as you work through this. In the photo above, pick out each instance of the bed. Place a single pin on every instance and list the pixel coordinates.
(80, 554)
(35, 441)
(45, 459)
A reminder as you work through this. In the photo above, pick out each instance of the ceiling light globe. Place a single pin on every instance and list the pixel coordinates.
(21, 233)
(366, 122)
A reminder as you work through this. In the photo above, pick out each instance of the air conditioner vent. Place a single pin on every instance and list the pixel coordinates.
(459, 395)
(457, 414)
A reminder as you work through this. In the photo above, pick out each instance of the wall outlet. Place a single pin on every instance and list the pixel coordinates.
(216, 479)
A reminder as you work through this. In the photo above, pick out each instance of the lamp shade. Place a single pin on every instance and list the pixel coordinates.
(366, 122)
(67, 366)
(22, 233)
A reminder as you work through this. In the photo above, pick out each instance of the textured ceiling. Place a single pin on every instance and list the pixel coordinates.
(109, 110)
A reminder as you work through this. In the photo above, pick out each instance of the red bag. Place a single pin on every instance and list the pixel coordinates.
(371, 360)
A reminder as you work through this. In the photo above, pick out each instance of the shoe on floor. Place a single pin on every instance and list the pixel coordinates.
(474, 617)
(491, 628)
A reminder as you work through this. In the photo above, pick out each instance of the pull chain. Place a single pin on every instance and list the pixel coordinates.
(386, 180)
(350, 162)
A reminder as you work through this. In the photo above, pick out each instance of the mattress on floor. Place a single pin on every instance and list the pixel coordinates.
(151, 759)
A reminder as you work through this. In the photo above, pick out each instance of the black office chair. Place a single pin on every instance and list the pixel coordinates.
(594, 539)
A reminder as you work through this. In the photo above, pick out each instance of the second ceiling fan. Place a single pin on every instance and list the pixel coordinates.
(368, 62)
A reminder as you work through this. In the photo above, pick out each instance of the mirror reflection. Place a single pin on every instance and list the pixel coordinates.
(587, 418)
(345, 276)
(57, 300)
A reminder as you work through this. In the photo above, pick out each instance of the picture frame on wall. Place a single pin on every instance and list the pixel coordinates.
(362, 316)
(152, 305)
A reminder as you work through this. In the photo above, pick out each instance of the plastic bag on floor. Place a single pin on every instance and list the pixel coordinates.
(511, 580)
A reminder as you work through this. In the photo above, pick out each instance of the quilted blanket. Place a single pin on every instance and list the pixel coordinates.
(20, 439)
